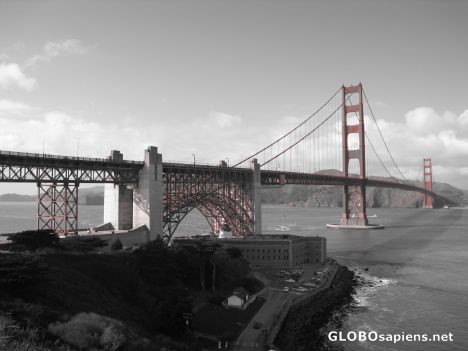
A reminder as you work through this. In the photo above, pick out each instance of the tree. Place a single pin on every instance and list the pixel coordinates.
(234, 252)
(116, 245)
(214, 259)
(205, 250)
(82, 243)
(35, 239)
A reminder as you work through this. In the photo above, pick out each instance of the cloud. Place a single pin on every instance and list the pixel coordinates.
(8, 107)
(224, 120)
(220, 135)
(427, 133)
(52, 50)
(12, 76)
(60, 132)
(215, 136)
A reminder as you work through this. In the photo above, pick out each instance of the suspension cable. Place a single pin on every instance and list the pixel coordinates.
(375, 152)
(305, 136)
(385, 143)
(291, 131)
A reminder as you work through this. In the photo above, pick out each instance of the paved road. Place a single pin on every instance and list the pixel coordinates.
(253, 339)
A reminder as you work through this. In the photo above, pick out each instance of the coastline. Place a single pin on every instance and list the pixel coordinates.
(301, 328)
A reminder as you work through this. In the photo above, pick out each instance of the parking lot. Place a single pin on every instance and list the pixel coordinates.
(299, 279)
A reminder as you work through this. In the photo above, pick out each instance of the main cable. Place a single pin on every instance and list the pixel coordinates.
(291, 131)
(385, 143)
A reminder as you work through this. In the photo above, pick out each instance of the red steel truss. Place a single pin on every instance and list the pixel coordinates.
(57, 207)
(222, 194)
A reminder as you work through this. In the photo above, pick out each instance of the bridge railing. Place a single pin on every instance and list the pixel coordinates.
(63, 157)
(198, 164)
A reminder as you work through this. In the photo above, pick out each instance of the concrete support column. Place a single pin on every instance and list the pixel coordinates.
(148, 196)
(118, 206)
(118, 201)
(257, 197)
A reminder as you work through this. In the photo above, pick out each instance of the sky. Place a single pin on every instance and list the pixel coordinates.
(221, 79)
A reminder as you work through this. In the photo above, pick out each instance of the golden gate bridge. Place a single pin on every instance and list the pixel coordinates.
(340, 144)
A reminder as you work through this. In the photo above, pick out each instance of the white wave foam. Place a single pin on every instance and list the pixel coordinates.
(281, 228)
(369, 287)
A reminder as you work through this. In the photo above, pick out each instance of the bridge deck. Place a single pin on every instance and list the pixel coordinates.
(37, 168)
(30, 167)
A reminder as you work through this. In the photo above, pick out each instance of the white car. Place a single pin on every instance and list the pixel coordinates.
(285, 289)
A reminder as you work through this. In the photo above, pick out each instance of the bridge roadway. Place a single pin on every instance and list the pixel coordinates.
(36, 167)
(282, 178)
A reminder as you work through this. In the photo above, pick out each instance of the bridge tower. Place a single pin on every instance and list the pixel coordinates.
(427, 199)
(354, 196)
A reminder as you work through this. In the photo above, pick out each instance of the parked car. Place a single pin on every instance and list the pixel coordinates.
(285, 289)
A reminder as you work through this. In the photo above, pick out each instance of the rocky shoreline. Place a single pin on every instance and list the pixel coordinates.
(301, 328)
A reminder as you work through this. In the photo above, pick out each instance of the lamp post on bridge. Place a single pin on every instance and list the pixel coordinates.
(227, 159)
(193, 159)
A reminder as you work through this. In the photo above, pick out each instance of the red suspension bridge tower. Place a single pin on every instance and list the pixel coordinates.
(354, 196)
(427, 199)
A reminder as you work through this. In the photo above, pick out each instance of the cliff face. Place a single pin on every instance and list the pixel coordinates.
(331, 196)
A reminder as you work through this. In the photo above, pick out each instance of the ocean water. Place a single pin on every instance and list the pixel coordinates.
(413, 272)
(18, 216)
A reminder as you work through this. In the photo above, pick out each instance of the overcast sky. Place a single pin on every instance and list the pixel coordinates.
(219, 79)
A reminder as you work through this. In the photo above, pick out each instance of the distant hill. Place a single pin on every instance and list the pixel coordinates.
(17, 198)
(86, 196)
(301, 195)
(331, 196)
(91, 196)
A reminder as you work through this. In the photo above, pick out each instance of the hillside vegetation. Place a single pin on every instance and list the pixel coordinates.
(328, 195)
(131, 300)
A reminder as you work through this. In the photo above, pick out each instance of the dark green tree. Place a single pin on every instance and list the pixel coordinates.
(35, 239)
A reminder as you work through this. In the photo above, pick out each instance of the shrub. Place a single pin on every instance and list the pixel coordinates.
(14, 337)
(253, 285)
(116, 245)
(83, 243)
(216, 299)
(234, 252)
(112, 338)
(18, 269)
(35, 239)
(90, 330)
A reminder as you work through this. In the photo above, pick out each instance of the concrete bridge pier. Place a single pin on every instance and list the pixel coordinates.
(128, 208)
(148, 195)
(118, 201)
(257, 197)
(118, 206)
